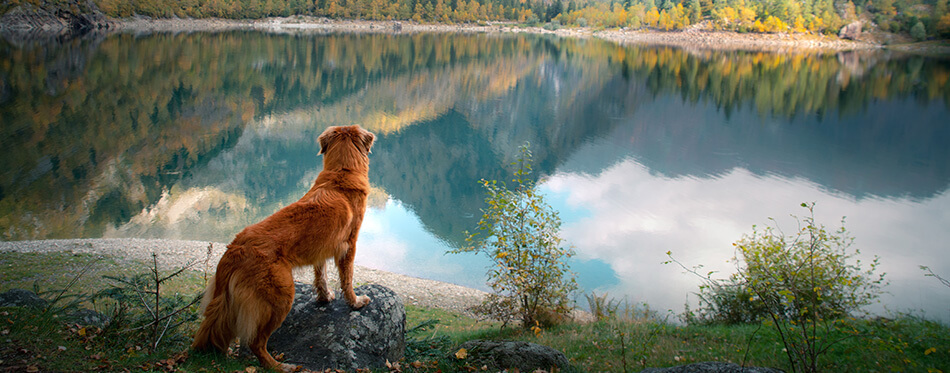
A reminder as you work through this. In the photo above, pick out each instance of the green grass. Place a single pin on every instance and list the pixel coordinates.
(32, 338)
(53, 272)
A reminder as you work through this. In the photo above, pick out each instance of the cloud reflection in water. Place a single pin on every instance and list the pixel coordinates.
(698, 219)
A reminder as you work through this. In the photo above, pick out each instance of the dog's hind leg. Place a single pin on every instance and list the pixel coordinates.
(274, 298)
(320, 282)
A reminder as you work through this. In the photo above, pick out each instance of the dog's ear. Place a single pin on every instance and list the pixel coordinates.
(367, 138)
(324, 139)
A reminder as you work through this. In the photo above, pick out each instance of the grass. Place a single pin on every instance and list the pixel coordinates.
(44, 341)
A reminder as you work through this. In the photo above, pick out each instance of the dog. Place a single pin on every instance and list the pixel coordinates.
(253, 287)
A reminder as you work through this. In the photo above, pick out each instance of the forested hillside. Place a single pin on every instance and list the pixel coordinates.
(920, 18)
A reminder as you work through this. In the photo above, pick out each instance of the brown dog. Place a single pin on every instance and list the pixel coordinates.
(253, 288)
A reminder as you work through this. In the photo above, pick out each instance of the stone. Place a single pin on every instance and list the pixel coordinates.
(320, 336)
(502, 355)
(711, 367)
(22, 298)
(86, 317)
(852, 31)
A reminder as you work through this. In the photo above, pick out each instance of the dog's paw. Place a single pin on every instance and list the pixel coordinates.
(326, 298)
(361, 301)
(288, 368)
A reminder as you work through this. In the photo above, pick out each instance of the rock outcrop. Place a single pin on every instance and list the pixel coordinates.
(502, 355)
(320, 336)
(72, 18)
(851, 32)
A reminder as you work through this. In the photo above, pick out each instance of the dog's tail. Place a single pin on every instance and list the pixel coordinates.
(217, 329)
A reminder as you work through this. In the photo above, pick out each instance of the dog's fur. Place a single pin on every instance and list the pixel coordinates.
(253, 288)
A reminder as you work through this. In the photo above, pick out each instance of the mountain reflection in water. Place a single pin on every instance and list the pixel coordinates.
(643, 150)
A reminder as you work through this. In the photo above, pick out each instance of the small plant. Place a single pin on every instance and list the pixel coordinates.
(601, 307)
(520, 233)
(141, 312)
(422, 348)
(930, 273)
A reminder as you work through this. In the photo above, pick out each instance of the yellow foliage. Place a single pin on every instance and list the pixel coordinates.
(652, 18)
(943, 26)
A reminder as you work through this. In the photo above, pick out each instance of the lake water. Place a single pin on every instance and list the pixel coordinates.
(642, 150)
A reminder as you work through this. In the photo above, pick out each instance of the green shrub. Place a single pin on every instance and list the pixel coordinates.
(520, 233)
(918, 32)
(532, 20)
(804, 285)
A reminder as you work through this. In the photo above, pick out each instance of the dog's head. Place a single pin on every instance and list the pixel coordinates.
(346, 141)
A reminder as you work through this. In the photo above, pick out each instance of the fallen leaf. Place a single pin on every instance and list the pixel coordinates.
(32, 368)
(61, 348)
(250, 370)
(461, 354)
(82, 332)
(930, 350)
(416, 364)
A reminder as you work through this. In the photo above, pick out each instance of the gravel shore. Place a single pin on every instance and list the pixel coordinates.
(694, 38)
(176, 253)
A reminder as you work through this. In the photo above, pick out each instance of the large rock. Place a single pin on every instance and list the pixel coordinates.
(711, 367)
(69, 17)
(27, 299)
(852, 31)
(320, 336)
(22, 298)
(501, 355)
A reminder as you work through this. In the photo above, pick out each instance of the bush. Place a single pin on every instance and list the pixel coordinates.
(582, 22)
(530, 279)
(553, 25)
(532, 20)
(804, 286)
(918, 32)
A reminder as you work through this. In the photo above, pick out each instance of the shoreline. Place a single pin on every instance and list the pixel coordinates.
(173, 254)
(698, 39)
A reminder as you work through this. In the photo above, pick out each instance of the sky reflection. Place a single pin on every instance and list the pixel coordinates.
(698, 219)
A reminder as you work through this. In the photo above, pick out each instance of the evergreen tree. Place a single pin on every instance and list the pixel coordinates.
(695, 11)
(667, 5)
(553, 11)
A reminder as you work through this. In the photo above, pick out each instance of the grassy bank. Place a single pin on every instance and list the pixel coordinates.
(42, 341)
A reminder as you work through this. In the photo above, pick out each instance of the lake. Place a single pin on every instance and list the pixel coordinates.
(642, 150)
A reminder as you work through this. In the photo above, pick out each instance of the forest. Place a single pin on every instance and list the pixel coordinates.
(921, 19)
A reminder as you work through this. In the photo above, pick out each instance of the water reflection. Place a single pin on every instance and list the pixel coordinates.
(646, 149)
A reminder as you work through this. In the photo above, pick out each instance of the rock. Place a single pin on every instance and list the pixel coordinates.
(320, 336)
(87, 317)
(501, 355)
(69, 17)
(711, 367)
(22, 298)
(852, 31)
